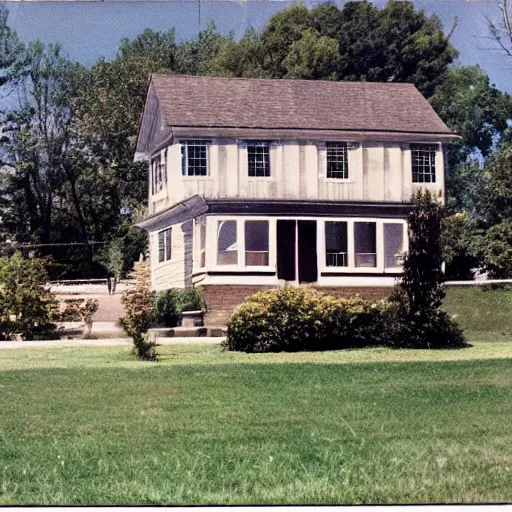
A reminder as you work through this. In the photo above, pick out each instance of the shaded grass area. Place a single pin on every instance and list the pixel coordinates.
(94, 426)
(483, 314)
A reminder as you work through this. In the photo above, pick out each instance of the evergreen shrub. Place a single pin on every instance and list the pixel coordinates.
(171, 303)
(293, 319)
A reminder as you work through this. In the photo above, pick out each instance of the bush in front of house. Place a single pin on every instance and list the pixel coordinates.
(293, 319)
(170, 304)
(140, 312)
(27, 306)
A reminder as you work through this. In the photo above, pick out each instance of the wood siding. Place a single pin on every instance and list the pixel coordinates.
(176, 272)
(378, 172)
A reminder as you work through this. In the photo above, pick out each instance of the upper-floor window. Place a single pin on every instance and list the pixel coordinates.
(164, 245)
(194, 157)
(423, 163)
(159, 171)
(337, 160)
(258, 159)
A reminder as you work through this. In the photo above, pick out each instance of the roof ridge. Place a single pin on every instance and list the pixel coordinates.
(289, 80)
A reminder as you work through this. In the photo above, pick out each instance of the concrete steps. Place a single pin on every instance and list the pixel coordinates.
(186, 332)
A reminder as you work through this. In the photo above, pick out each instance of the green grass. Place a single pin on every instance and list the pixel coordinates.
(484, 315)
(94, 426)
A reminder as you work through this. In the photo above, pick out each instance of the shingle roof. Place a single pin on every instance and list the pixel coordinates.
(294, 104)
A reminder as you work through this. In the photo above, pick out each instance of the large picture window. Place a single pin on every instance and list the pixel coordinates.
(194, 157)
(227, 246)
(365, 244)
(393, 245)
(337, 160)
(336, 244)
(256, 243)
(258, 159)
(423, 163)
(164, 245)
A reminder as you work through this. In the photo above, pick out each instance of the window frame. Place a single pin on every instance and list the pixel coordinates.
(267, 252)
(418, 167)
(185, 144)
(345, 146)
(164, 245)
(265, 144)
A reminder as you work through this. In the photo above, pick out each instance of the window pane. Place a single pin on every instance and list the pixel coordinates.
(194, 154)
(256, 243)
(393, 244)
(161, 247)
(227, 244)
(365, 244)
(423, 163)
(337, 160)
(168, 244)
(258, 156)
(336, 244)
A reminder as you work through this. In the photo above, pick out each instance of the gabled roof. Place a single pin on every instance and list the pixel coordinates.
(312, 105)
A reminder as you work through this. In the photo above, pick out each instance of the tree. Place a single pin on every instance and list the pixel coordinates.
(496, 249)
(140, 313)
(503, 34)
(10, 46)
(471, 106)
(356, 42)
(416, 319)
(460, 239)
(26, 305)
(496, 195)
(423, 278)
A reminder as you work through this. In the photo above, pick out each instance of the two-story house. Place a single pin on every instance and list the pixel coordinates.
(255, 183)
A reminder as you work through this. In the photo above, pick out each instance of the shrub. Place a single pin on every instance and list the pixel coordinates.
(140, 313)
(293, 319)
(430, 329)
(27, 307)
(171, 303)
(415, 319)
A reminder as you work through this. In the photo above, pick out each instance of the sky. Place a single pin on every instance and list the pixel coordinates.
(89, 30)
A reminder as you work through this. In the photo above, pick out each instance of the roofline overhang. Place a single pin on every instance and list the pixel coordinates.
(311, 133)
(197, 205)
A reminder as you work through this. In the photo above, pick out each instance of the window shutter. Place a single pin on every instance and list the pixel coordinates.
(161, 247)
(168, 244)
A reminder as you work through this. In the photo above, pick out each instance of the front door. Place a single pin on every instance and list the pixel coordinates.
(308, 268)
(296, 251)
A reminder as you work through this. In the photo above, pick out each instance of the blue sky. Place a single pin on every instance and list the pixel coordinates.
(88, 30)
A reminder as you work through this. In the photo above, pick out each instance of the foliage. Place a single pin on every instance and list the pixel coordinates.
(139, 306)
(293, 319)
(496, 248)
(423, 277)
(356, 42)
(171, 303)
(429, 328)
(460, 240)
(416, 320)
(496, 196)
(27, 306)
(472, 107)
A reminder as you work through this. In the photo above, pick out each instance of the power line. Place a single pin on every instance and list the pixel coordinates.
(58, 244)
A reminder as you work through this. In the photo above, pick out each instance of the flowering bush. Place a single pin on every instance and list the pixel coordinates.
(140, 313)
(292, 319)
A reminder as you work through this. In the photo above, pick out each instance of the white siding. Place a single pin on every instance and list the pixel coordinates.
(378, 172)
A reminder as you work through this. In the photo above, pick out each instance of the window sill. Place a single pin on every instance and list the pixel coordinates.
(197, 178)
(338, 180)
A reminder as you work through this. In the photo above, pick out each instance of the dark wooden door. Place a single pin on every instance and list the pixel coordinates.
(286, 250)
(308, 265)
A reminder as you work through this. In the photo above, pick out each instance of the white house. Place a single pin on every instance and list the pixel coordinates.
(255, 183)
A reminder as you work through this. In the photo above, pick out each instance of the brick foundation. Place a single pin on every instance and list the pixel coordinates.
(221, 300)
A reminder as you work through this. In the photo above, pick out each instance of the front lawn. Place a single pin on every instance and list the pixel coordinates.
(483, 314)
(94, 426)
